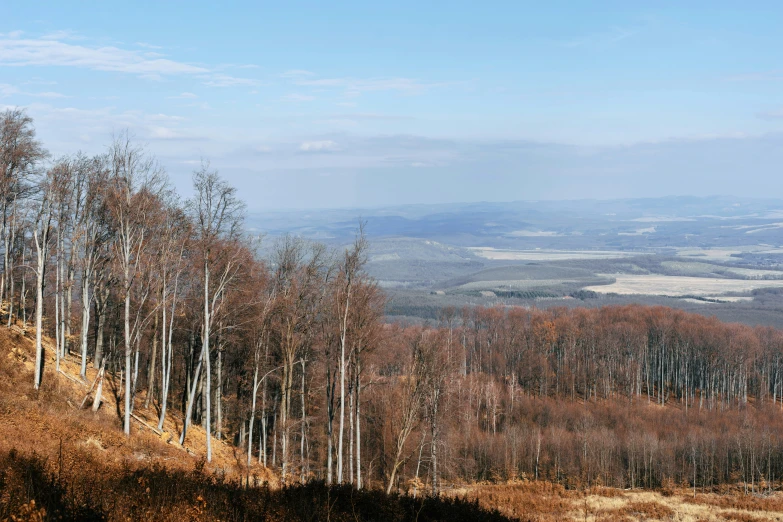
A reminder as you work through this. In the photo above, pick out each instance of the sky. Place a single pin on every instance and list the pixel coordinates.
(363, 104)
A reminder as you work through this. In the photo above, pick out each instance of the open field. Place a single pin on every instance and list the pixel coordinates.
(720, 299)
(546, 502)
(523, 284)
(728, 253)
(455, 255)
(696, 268)
(655, 284)
(497, 254)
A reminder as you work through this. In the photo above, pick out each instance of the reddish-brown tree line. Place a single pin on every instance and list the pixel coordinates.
(289, 358)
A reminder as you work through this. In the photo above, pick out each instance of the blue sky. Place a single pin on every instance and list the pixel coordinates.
(314, 104)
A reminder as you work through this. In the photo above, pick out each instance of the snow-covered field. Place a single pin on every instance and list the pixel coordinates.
(546, 255)
(675, 286)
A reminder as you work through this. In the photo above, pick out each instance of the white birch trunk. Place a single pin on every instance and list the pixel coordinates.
(39, 285)
(191, 398)
(128, 350)
(205, 342)
(85, 320)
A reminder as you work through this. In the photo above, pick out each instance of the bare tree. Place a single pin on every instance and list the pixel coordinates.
(136, 180)
(218, 216)
(353, 261)
(409, 402)
(21, 155)
(177, 231)
(41, 237)
(298, 281)
(90, 233)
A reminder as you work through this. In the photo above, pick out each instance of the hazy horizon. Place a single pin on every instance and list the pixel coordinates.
(361, 105)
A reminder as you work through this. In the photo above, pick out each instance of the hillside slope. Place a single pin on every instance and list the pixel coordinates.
(58, 419)
(59, 460)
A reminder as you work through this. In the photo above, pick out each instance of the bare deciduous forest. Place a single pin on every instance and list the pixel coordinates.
(290, 360)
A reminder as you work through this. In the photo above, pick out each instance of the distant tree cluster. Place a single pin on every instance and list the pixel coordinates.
(289, 358)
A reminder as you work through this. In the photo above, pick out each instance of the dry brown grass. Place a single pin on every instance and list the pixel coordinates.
(545, 502)
(540, 501)
(737, 500)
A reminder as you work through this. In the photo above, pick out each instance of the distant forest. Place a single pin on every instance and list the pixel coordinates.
(290, 359)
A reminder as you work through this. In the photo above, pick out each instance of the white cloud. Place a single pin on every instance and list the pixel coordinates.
(297, 73)
(163, 117)
(52, 51)
(298, 97)
(184, 96)
(357, 86)
(10, 90)
(370, 116)
(224, 80)
(62, 35)
(318, 146)
(164, 133)
(47, 94)
(7, 90)
(44, 52)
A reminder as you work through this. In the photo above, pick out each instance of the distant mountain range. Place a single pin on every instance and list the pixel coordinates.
(622, 224)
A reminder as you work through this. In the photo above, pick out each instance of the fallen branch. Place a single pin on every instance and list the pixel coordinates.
(77, 381)
(97, 378)
(142, 421)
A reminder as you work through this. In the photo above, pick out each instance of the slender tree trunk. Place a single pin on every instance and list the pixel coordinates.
(10, 286)
(358, 430)
(351, 419)
(342, 398)
(191, 398)
(57, 312)
(4, 232)
(61, 292)
(252, 414)
(264, 419)
(151, 366)
(284, 411)
(219, 393)
(85, 320)
(39, 285)
(128, 352)
(101, 295)
(98, 393)
(208, 377)
(23, 295)
(167, 350)
(303, 426)
(69, 302)
(274, 440)
(329, 424)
